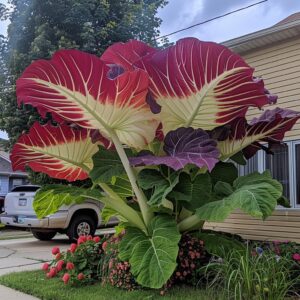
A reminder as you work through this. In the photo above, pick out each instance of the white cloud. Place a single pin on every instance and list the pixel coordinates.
(179, 14)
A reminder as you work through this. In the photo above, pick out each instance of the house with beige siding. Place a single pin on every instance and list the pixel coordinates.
(275, 54)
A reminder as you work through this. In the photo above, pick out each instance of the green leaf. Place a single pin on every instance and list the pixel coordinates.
(120, 228)
(283, 201)
(50, 198)
(217, 243)
(226, 172)
(149, 178)
(193, 193)
(82, 264)
(161, 185)
(239, 158)
(107, 164)
(222, 189)
(121, 186)
(156, 147)
(107, 213)
(153, 257)
(255, 194)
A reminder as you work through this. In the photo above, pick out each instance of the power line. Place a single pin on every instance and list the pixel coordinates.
(212, 19)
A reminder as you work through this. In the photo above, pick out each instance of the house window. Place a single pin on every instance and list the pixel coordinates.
(297, 169)
(278, 164)
(284, 166)
(253, 165)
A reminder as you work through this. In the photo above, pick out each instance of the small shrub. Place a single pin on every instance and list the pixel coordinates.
(191, 258)
(260, 275)
(79, 264)
(112, 270)
(290, 251)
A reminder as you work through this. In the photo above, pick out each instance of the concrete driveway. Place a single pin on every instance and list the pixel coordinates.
(27, 253)
(24, 254)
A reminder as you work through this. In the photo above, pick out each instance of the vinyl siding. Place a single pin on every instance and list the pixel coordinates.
(279, 66)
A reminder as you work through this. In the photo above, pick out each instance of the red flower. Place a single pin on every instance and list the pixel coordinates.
(73, 247)
(66, 278)
(96, 239)
(104, 245)
(80, 276)
(89, 238)
(55, 250)
(45, 267)
(52, 273)
(59, 265)
(296, 256)
(58, 256)
(70, 266)
(81, 239)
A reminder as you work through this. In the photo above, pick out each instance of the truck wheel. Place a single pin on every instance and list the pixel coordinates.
(81, 225)
(44, 236)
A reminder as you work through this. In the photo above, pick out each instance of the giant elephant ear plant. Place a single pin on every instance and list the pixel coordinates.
(156, 131)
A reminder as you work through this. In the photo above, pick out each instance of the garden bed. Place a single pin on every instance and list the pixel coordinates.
(35, 283)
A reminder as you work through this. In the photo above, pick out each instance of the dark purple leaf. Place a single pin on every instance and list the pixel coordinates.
(115, 71)
(184, 146)
(154, 106)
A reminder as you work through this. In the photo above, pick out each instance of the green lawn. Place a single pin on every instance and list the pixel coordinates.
(35, 283)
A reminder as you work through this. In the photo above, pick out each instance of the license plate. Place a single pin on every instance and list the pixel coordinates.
(21, 220)
(22, 202)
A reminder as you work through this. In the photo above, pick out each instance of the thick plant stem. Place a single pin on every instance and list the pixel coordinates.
(118, 204)
(141, 198)
(190, 223)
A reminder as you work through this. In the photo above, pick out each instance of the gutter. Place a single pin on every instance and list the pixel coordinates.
(10, 174)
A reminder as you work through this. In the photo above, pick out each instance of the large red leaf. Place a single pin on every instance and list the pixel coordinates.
(61, 152)
(126, 54)
(75, 86)
(269, 128)
(202, 85)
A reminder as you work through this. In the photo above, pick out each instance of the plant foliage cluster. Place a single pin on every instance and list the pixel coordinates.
(256, 273)
(159, 133)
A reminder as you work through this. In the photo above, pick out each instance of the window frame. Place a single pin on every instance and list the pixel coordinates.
(261, 167)
(292, 165)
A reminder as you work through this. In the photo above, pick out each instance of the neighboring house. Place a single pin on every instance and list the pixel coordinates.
(275, 54)
(9, 178)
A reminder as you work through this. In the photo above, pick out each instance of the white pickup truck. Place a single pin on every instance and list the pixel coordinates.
(73, 220)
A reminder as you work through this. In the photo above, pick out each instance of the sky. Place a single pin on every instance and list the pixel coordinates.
(178, 14)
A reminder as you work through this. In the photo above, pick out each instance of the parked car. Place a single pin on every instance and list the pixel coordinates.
(73, 220)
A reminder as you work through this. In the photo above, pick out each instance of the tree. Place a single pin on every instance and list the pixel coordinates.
(39, 28)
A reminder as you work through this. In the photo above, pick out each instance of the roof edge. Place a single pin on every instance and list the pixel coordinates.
(5, 158)
(259, 34)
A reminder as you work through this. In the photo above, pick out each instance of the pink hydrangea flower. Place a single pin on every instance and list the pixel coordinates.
(296, 256)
